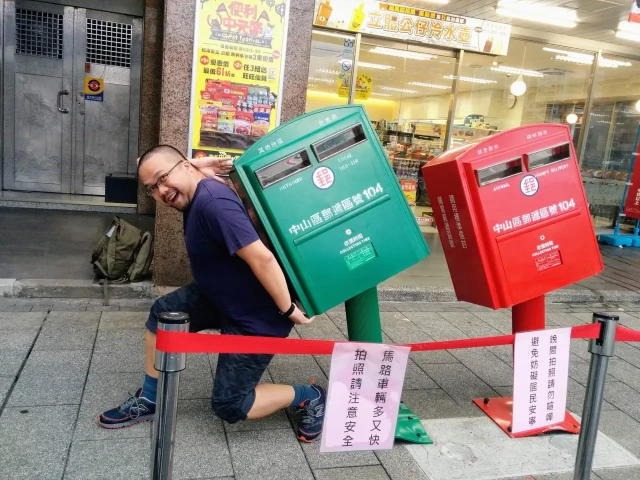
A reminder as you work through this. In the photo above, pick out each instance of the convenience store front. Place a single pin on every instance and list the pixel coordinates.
(425, 98)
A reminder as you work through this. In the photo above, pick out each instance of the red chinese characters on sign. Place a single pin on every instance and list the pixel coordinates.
(323, 178)
(632, 203)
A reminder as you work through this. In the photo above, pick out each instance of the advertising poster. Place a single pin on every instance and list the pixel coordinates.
(364, 85)
(632, 202)
(416, 24)
(237, 74)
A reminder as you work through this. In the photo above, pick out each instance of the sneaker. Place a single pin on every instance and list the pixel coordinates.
(136, 409)
(312, 416)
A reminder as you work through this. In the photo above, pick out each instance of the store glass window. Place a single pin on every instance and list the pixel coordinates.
(330, 69)
(534, 83)
(613, 127)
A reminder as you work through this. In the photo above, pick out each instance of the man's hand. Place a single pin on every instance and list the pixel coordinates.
(213, 166)
(300, 318)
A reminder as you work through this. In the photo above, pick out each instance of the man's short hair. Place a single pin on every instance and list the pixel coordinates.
(167, 150)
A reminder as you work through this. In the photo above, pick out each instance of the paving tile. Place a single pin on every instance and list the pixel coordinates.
(620, 370)
(106, 338)
(499, 320)
(621, 428)
(504, 353)
(322, 328)
(268, 455)
(276, 421)
(399, 464)
(579, 370)
(196, 383)
(471, 325)
(486, 365)
(121, 459)
(53, 337)
(11, 361)
(201, 446)
(42, 460)
(576, 393)
(623, 397)
(435, 326)
(120, 359)
(51, 363)
(568, 319)
(437, 404)
(17, 308)
(34, 441)
(459, 382)
(389, 306)
(415, 378)
(35, 390)
(5, 384)
(17, 339)
(336, 459)
(20, 321)
(619, 473)
(628, 353)
(35, 424)
(370, 473)
(123, 320)
(72, 319)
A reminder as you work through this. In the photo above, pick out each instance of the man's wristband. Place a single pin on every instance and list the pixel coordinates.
(289, 312)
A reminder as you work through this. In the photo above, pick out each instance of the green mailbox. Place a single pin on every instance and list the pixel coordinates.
(322, 190)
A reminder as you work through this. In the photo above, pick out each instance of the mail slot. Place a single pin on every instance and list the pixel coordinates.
(513, 216)
(322, 193)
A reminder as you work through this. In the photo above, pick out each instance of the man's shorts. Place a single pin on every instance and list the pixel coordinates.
(237, 374)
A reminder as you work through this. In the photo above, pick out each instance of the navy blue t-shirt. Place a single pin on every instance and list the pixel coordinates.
(216, 226)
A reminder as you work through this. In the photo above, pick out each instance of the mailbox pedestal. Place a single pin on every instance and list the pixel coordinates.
(514, 223)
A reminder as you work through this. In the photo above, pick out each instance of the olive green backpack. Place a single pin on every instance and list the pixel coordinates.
(122, 255)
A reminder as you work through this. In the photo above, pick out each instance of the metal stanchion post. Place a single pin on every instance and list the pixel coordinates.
(601, 349)
(169, 366)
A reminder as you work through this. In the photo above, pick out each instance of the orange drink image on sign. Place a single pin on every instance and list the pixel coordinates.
(324, 12)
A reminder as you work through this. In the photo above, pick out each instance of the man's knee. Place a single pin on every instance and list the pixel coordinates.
(233, 409)
(158, 307)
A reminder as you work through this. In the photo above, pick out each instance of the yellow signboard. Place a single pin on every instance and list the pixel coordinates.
(237, 70)
(364, 85)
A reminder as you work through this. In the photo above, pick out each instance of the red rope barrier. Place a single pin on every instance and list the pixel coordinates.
(178, 342)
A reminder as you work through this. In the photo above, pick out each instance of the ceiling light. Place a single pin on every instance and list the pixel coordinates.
(325, 70)
(430, 85)
(377, 94)
(470, 79)
(517, 71)
(638, 106)
(326, 80)
(402, 90)
(402, 53)
(561, 17)
(567, 52)
(518, 87)
(572, 118)
(376, 66)
(312, 85)
(588, 60)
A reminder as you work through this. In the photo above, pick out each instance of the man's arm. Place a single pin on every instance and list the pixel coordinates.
(265, 267)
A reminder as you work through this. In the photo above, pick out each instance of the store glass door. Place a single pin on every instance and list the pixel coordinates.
(56, 139)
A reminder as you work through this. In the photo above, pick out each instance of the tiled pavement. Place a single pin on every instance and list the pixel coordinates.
(64, 361)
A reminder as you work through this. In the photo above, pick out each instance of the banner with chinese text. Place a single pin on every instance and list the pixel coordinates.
(416, 24)
(365, 386)
(239, 50)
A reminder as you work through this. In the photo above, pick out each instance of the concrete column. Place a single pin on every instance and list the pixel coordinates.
(171, 266)
(150, 91)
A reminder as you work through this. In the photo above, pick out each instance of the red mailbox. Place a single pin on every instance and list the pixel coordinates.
(513, 216)
(514, 223)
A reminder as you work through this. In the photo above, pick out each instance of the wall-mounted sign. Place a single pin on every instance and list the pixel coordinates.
(237, 74)
(364, 85)
(415, 24)
(634, 14)
(93, 89)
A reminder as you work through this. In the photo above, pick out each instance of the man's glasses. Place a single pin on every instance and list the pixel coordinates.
(161, 180)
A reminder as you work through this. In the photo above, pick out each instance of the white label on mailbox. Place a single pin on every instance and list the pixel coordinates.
(529, 185)
(323, 178)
